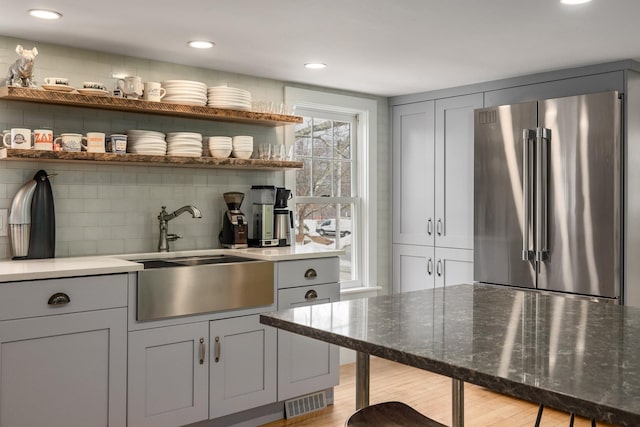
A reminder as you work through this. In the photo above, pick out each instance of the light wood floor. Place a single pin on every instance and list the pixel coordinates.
(430, 394)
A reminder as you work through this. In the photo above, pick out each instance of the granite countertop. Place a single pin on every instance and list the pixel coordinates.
(35, 269)
(571, 354)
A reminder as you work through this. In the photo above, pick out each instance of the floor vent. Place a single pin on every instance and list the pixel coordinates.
(305, 404)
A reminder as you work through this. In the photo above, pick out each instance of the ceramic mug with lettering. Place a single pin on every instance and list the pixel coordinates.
(43, 139)
(94, 142)
(18, 138)
(118, 143)
(153, 91)
(57, 81)
(69, 141)
(131, 86)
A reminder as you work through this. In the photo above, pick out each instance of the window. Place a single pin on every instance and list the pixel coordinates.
(334, 201)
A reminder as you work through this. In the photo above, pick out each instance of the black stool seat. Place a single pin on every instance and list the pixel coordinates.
(390, 414)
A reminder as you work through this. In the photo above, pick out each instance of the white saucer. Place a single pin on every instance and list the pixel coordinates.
(59, 88)
(89, 91)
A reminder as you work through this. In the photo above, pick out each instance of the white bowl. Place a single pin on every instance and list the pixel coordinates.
(241, 154)
(220, 153)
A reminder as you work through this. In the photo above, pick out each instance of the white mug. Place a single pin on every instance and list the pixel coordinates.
(69, 141)
(131, 86)
(17, 138)
(153, 91)
(43, 139)
(95, 142)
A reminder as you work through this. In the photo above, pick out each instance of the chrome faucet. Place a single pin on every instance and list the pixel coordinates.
(164, 218)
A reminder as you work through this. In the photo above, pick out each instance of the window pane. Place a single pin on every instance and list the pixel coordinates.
(304, 138)
(322, 177)
(303, 179)
(342, 179)
(346, 238)
(342, 140)
(322, 138)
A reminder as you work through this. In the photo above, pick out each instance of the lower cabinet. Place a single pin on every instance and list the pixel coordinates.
(169, 375)
(306, 365)
(425, 267)
(64, 370)
(197, 371)
(242, 365)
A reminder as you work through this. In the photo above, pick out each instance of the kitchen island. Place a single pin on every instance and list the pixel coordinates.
(571, 354)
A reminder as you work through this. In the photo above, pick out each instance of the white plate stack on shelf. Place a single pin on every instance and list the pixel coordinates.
(220, 147)
(148, 142)
(242, 147)
(229, 97)
(185, 92)
(184, 144)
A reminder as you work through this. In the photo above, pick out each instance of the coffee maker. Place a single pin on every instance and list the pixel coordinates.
(261, 222)
(234, 224)
(283, 218)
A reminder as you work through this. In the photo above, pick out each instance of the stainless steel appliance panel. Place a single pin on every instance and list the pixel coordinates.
(583, 209)
(501, 185)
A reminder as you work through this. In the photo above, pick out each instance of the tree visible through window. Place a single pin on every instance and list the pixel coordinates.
(326, 192)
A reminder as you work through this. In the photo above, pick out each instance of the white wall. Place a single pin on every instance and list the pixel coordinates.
(102, 209)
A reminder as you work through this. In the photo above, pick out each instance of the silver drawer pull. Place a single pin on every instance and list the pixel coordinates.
(310, 274)
(203, 350)
(217, 350)
(311, 294)
(59, 298)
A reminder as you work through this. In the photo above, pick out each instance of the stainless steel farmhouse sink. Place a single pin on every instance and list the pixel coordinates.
(170, 287)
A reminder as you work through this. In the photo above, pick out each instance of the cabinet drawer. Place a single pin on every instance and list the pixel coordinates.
(31, 298)
(308, 272)
(308, 295)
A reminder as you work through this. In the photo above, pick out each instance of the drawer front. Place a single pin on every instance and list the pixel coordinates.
(308, 295)
(60, 296)
(308, 272)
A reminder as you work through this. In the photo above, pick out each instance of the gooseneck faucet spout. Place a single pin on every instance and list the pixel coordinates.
(164, 218)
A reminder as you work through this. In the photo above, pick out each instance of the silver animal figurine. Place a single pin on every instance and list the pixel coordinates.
(21, 71)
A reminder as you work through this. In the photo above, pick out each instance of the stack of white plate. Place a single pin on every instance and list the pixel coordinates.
(147, 142)
(242, 146)
(229, 97)
(220, 147)
(184, 144)
(185, 92)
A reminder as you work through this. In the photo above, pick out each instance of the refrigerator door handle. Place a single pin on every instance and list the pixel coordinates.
(543, 137)
(527, 136)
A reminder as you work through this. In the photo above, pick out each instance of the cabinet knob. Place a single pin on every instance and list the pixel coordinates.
(311, 294)
(59, 298)
(310, 274)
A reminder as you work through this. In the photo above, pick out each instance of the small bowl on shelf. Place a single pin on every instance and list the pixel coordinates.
(220, 153)
(242, 154)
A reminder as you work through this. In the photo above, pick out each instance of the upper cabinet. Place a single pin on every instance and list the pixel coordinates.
(433, 172)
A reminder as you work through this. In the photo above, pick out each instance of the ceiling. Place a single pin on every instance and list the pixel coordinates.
(382, 47)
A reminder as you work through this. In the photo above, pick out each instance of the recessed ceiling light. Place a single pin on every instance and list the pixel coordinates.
(201, 44)
(315, 65)
(574, 1)
(45, 14)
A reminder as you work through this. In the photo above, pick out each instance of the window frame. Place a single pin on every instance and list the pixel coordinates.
(365, 161)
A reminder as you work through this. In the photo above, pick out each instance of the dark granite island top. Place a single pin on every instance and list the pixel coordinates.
(571, 354)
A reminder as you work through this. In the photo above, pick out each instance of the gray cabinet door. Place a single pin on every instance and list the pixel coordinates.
(306, 365)
(454, 171)
(453, 266)
(413, 173)
(243, 365)
(413, 268)
(65, 370)
(168, 386)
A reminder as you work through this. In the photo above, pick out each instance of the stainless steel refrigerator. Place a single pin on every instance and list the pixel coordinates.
(548, 194)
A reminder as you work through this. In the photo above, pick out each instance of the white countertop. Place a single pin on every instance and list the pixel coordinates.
(35, 269)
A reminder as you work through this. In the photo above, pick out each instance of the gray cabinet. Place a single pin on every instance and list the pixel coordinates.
(242, 365)
(424, 267)
(433, 191)
(306, 365)
(168, 375)
(63, 352)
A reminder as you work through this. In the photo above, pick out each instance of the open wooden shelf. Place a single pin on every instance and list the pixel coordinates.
(137, 159)
(138, 106)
